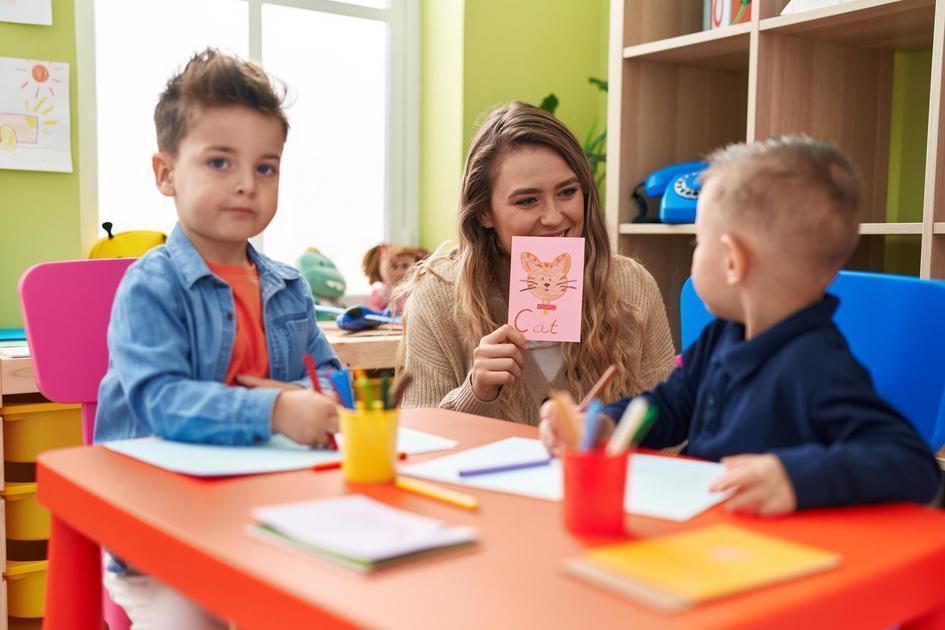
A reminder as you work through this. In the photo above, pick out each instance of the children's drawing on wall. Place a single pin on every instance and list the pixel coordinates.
(34, 115)
(546, 287)
(26, 11)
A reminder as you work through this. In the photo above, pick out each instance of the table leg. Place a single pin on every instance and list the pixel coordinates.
(74, 580)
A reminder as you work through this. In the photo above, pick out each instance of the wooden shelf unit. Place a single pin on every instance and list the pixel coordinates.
(677, 92)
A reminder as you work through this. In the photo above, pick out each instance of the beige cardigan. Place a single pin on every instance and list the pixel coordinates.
(435, 356)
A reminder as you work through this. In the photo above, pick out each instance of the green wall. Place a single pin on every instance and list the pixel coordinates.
(909, 121)
(499, 51)
(39, 212)
(441, 115)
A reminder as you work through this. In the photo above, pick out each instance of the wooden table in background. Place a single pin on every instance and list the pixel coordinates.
(369, 349)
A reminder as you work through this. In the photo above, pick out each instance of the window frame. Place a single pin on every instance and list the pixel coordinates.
(402, 207)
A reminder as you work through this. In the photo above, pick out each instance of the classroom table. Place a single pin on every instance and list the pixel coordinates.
(191, 533)
(371, 350)
(374, 349)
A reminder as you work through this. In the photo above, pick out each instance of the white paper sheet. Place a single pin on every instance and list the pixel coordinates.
(34, 115)
(26, 11)
(278, 455)
(662, 487)
(359, 527)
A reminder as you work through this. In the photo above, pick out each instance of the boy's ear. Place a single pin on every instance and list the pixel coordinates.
(734, 259)
(163, 167)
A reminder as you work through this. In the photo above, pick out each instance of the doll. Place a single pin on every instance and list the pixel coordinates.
(385, 265)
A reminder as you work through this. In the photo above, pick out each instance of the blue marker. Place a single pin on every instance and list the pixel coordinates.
(591, 424)
(343, 387)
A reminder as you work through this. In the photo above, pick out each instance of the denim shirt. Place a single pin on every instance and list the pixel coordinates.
(170, 339)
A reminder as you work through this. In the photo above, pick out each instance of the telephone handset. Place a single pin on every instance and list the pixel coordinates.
(679, 186)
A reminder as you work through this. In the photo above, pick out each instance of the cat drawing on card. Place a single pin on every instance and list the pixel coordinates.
(548, 281)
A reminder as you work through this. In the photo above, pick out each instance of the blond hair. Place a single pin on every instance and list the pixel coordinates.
(802, 195)
(479, 252)
(212, 79)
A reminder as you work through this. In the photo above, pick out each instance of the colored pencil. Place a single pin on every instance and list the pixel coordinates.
(316, 386)
(591, 425)
(312, 374)
(437, 493)
(405, 381)
(488, 470)
(599, 386)
(568, 423)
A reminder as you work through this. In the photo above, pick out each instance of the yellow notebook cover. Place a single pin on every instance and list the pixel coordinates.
(676, 572)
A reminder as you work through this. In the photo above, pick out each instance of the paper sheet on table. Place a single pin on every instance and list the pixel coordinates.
(277, 455)
(662, 487)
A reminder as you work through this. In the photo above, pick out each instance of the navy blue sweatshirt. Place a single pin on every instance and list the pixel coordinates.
(797, 392)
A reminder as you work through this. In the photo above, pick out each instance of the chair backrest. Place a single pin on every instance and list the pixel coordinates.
(895, 326)
(66, 308)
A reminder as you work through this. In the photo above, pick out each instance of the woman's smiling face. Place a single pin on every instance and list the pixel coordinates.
(534, 193)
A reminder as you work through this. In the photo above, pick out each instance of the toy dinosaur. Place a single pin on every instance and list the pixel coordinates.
(328, 285)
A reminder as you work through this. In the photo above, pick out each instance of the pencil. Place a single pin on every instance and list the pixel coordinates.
(569, 424)
(312, 374)
(436, 492)
(316, 386)
(599, 386)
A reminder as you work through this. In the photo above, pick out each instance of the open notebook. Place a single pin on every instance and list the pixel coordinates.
(676, 572)
(671, 488)
(277, 455)
(356, 531)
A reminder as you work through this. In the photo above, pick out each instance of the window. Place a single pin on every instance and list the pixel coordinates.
(352, 73)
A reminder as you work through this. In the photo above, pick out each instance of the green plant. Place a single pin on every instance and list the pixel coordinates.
(595, 143)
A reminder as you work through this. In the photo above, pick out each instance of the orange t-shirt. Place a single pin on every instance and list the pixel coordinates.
(250, 355)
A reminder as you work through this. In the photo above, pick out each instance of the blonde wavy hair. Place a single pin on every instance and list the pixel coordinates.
(479, 252)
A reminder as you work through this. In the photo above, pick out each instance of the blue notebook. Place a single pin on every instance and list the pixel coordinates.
(12, 334)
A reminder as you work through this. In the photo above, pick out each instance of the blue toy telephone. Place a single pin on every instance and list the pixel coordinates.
(679, 185)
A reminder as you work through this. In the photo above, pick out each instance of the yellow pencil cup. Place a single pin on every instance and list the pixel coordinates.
(369, 445)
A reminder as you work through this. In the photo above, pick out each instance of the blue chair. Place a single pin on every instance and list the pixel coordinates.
(895, 326)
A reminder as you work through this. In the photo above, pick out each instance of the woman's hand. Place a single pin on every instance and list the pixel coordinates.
(497, 361)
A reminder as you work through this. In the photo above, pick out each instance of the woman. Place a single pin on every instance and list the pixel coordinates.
(526, 175)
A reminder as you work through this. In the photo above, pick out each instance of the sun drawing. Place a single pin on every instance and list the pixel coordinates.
(40, 76)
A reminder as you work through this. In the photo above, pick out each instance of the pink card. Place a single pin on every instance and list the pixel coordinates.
(545, 287)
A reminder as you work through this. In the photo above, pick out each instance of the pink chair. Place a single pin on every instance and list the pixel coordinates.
(66, 308)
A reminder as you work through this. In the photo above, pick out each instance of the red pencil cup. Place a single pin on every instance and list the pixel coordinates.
(594, 485)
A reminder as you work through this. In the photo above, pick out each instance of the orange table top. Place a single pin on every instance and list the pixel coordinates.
(191, 533)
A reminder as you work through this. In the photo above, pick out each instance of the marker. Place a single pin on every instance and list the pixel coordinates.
(644, 426)
(431, 491)
(488, 470)
(364, 385)
(343, 387)
(591, 425)
(630, 421)
(599, 386)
